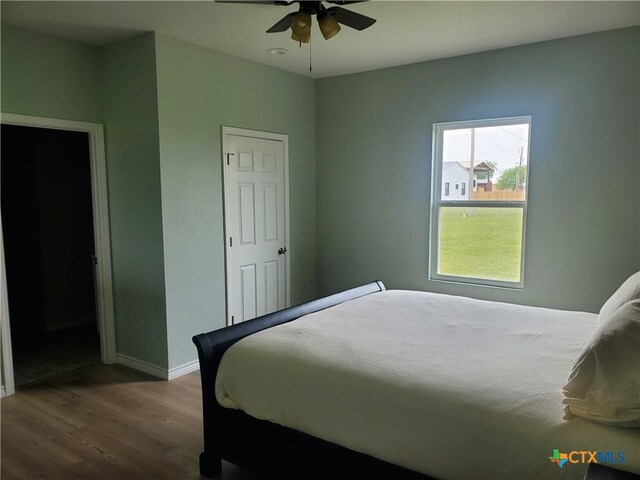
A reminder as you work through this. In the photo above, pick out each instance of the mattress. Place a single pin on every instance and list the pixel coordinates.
(447, 386)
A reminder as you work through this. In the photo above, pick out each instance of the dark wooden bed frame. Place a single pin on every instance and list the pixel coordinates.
(279, 452)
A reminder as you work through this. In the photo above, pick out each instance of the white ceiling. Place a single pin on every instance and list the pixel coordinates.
(406, 31)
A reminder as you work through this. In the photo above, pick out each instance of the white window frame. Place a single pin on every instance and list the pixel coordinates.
(437, 202)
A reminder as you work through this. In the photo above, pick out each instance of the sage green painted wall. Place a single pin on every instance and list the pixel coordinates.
(132, 142)
(49, 77)
(374, 160)
(199, 91)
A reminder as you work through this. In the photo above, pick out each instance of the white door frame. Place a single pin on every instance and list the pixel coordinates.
(243, 132)
(8, 385)
(104, 298)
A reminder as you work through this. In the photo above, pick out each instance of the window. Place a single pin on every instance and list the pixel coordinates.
(478, 233)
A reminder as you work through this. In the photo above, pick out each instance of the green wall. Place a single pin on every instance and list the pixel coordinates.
(163, 103)
(115, 85)
(199, 91)
(374, 160)
(49, 77)
(133, 158)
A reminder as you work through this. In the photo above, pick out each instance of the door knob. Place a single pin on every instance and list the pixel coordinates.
(282, 250)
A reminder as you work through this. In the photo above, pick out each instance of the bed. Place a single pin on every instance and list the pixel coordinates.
(400, 384)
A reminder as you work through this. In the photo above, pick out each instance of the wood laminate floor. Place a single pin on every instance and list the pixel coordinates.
(105, 422)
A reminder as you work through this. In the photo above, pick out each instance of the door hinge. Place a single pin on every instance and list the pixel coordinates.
(232, 319)
(229, 155)
(231, 241)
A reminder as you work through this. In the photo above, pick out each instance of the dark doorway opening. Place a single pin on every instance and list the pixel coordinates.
(47, 224)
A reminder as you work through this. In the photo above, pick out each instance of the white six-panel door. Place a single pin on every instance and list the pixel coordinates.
(256, 223)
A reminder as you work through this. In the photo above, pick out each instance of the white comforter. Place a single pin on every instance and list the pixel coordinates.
(448, 386)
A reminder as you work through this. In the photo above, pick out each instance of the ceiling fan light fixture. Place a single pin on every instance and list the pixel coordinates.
(301, 23)
(301, 38)
(328, 25)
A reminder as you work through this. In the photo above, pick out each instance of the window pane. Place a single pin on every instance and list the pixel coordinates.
(499, 158)
(481, 242)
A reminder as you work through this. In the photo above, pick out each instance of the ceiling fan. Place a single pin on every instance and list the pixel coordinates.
(329, 19)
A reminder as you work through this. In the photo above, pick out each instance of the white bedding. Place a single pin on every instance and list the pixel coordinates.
(448, 386)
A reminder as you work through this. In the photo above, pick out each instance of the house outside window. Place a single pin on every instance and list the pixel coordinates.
(478, 234)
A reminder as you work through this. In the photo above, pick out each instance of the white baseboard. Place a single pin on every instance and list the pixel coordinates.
(183, 369)
(142, 366)
(155, 370)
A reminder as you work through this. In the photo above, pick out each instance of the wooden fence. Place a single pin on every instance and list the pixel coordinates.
(499, 195)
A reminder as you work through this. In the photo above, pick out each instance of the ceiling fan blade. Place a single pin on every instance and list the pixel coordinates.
(344, 2)
(283, 24)
(351, 19)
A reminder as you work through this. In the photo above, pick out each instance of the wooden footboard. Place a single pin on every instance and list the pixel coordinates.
(230, 434)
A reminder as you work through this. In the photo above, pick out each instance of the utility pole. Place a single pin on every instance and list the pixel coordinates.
(518, 170)
(472, 158)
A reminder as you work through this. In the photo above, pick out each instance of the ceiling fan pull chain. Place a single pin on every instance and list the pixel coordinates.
(310, 69)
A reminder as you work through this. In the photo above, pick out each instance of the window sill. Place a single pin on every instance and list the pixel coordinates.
(477, 282)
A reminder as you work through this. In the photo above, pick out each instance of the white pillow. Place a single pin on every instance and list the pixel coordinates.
(629, 290)
(604, 384)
